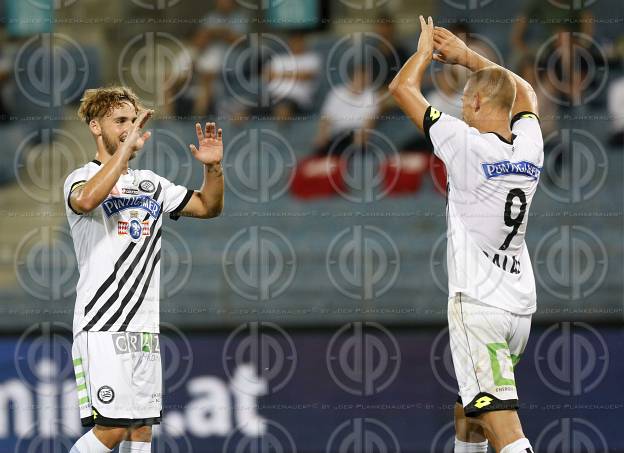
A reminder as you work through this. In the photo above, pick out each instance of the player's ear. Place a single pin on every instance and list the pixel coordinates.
(477, 102)
(94, 126)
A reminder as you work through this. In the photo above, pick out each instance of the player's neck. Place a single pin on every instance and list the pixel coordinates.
(102, 156)
(498, 127)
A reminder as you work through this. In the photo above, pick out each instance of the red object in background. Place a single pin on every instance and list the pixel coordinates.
(404, 173)
(317, 177)
(438, 174)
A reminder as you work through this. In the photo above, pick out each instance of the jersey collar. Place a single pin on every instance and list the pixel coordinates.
(503, 139)
(97, 162)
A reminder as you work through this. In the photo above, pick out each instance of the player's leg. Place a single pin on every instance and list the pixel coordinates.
(147, 391)
(107, 391)
(100, 439)
(138, 440)
(505, 429)
(469, 434)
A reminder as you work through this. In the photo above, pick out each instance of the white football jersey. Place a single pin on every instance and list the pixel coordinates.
(491, 183)
(118, 250)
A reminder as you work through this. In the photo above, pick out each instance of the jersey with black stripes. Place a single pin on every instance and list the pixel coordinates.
(491, 183)
(118, 250)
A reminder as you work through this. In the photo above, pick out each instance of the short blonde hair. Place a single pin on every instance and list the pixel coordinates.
(496, 84)
(99, 102)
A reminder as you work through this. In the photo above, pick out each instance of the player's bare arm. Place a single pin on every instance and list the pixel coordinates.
(85, 198)
(207, 202)
(406, 86)
(452, 50)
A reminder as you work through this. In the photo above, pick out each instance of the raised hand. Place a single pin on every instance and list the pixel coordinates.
(136, 138)
(449, 48)
(425, 41)
(210, 144)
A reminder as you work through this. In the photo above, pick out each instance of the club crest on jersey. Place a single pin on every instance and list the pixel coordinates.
(147, 186)
(134, 227)
(505, 167)
(113, 205)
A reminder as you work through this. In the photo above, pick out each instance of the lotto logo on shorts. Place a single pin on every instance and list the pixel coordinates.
(483, 402)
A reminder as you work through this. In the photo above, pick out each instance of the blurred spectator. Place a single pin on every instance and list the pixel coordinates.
(292, 78)
(566, 72)
(6, 71)
(391, 56)
(390, 49)
(445, 96)
(552, 19)
(475, 41)
(348, 112)
(548, 108)
(221, 28)
(615, 104)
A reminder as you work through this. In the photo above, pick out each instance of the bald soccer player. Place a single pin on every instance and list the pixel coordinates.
(493, 157)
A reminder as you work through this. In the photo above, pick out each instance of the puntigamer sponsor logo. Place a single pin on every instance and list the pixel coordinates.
(504, 167)
(113, 205)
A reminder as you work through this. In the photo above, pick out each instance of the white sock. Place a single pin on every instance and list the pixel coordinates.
(470, 447)
(135, 447)
(89, 444)
(520, 446)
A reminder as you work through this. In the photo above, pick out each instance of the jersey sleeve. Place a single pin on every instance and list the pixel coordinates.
(175, 197)
(447, 134)
(76, 179)
(527, 124)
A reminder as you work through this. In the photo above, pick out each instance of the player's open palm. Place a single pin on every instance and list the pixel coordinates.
(210, 150)
(136, 138)
(449, 48)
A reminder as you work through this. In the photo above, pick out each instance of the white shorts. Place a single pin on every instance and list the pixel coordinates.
(119, 378)
(486, 343)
